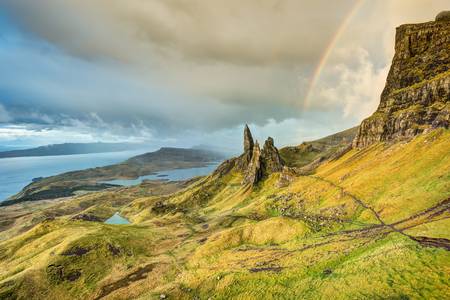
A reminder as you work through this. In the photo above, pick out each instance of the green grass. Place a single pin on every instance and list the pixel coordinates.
(215, 238)
(392, 178)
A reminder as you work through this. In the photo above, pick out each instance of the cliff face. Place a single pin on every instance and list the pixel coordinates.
(416, 97)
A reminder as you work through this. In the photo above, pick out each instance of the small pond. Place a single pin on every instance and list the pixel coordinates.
(117, 219)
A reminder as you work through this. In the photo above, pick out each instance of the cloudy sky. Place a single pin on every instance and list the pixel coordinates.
(189, 72)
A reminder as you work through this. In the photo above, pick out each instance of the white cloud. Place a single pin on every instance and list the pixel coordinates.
(37, 135)
(353, 86)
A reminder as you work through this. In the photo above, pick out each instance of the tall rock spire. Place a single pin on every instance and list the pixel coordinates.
(246, 157)
(248, 139)
(256, 163)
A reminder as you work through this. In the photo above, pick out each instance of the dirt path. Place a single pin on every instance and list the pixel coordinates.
(139, 274)
(438, 209)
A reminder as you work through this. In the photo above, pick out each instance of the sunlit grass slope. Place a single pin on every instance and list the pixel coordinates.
(348, 231)
(396, 180)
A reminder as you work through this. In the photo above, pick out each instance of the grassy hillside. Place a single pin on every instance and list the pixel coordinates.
(372, 224)
(307, 152)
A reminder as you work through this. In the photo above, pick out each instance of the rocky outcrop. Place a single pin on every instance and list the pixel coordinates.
(287, 176)
(256, 163)
(272, 159)
(416, 97)
(246, 157)
(254, 172)
(248, 139)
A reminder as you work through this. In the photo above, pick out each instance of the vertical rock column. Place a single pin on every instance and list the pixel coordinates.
(255, 163)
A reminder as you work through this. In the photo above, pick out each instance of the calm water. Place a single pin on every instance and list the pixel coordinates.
(117, 219)
(172, 175)
(15, 173)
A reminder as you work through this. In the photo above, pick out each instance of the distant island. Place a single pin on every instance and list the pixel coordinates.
(70, 149)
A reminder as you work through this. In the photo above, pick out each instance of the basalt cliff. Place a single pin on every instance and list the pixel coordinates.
(416, 97)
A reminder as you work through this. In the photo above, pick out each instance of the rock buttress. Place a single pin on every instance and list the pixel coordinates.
(416, 97)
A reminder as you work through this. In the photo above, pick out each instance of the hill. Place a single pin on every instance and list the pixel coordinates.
(372, 216)
(319, 150)
(71, 148)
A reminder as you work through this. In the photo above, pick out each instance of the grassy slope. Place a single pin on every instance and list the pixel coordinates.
(311, 239)
(416, 177)
(305, 153)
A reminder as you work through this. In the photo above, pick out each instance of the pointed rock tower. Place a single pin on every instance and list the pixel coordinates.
(254, 163)
(254, 170)
(248, 139)
(246, 157)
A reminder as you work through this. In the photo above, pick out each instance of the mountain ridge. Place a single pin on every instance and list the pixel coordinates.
(71, 149)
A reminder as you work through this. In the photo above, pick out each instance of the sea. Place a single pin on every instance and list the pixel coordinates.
(17, 172)
(169, 175)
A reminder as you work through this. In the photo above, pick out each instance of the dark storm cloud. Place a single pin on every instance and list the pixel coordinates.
(226, 58)
(169, 67)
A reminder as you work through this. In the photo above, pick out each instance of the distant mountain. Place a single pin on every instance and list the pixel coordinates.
(10, 148)
(71, 148)
(229, 151)
(177, 154)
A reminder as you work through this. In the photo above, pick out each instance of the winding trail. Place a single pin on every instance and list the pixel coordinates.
(438, 209)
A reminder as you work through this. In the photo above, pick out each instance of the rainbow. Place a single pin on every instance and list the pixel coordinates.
(328, 50)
